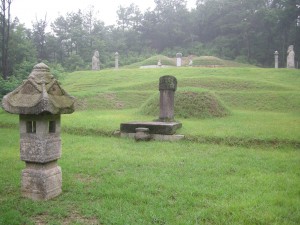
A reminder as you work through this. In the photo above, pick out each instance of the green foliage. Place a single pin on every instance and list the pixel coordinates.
(7, 86)
(23, 70)
(245, 31)
(74, 62)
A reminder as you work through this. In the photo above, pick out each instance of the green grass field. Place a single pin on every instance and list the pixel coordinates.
(239, 163)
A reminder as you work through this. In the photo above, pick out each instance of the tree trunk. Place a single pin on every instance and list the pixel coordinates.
(5, 35)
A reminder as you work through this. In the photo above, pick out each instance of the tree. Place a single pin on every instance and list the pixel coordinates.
(166, 27)
(39, 37)
(5, 32)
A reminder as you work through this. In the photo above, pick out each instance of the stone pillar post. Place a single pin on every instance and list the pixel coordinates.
(290, 57)
(276, 59)
(96, 61)
(178, 59)
(167, 88)
(116, 60)
(39, 101)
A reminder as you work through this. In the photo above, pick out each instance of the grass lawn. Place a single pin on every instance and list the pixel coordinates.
(117, 181)
(238, 167)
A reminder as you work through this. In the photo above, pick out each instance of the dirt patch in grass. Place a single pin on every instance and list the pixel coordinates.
(84, 178)
(76, 218)
(72, 218)
(40, 219)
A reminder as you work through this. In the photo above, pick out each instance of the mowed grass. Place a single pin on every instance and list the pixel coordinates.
(118, 181)
(239, 168)
(260, 105)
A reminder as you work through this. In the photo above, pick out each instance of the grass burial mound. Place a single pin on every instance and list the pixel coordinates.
(212, 61)
(202, 61)
(152, 61)
(189, 104)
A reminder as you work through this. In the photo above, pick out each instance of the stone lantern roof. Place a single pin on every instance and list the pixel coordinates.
(40, 93)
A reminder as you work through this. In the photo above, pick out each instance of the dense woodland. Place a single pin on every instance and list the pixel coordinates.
(241, 30)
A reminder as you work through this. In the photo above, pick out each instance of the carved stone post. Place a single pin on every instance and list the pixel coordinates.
(178, 59)
(276, 59)
(116, 60)
(167, 88)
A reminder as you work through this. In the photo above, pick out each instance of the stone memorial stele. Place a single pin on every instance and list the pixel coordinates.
(116, 60)
(167, 88)
(95, 61)
(163, 128)
(178, 59)
(290, 57)
(276, 59)
(39, 101)
(159, 63)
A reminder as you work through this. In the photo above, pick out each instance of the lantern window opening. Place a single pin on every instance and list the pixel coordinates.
(52, 127)
(31, 127)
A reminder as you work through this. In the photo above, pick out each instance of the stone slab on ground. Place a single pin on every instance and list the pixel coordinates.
(157, 137)
(166, 128)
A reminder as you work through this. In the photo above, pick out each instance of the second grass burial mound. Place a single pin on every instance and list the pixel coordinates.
(189, 104)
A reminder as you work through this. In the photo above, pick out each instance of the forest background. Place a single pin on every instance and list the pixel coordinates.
(241, 30)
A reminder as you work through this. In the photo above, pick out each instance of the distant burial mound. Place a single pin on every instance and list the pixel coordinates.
(202, 61)
(212, 61)
(152, 61)
(189, 104)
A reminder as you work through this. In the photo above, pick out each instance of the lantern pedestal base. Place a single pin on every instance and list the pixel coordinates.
(41, 181)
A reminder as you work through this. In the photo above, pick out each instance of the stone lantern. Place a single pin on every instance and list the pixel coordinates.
(39, 101)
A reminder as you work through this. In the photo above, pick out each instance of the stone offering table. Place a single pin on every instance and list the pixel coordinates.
(165, 127)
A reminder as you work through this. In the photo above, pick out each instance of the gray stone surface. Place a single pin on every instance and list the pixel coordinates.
(157, 137)
(159, 63)
(40, 93)
(167, 88)
(142, 134)
(116, 60)
(41, 181)
(96, 61)
(276, 59)
(154, 127)
(165, 127)
(178, 59)
(40, 100)
(291, 57)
